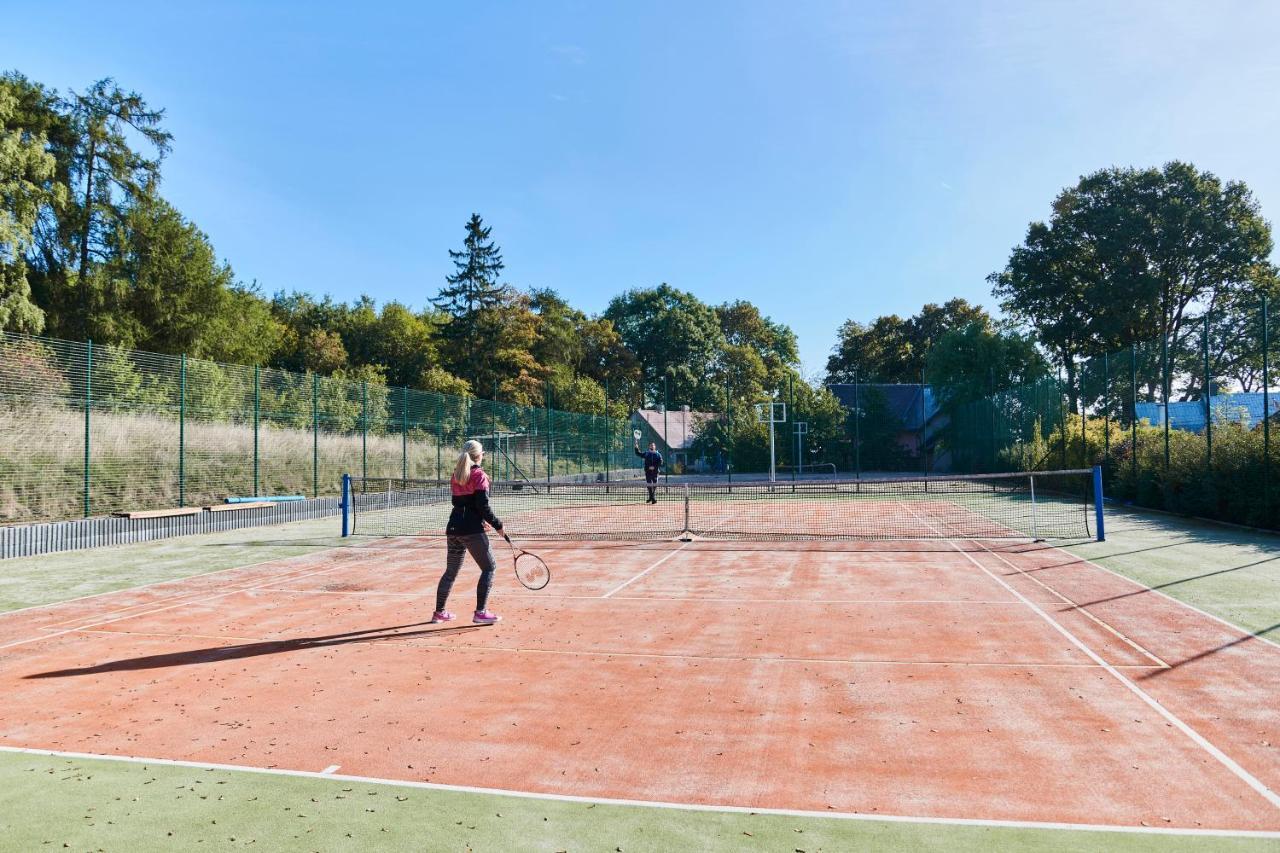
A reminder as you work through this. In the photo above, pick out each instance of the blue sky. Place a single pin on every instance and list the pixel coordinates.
(823, 160)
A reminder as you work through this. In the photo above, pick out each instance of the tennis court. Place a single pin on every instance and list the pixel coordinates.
(944, 676)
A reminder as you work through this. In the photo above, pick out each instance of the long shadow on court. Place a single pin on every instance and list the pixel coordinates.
(249, 650)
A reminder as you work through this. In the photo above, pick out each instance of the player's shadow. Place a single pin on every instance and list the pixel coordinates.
(249, 650)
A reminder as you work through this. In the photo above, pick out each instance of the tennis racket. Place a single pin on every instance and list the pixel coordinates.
(530, 569)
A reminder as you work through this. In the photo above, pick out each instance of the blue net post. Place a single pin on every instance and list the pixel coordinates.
(1097, 503)
(345, 504)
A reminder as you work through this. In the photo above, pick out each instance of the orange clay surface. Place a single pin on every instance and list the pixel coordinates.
(902, 678)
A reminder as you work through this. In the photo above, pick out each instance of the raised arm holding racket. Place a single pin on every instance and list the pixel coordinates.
(652, 465)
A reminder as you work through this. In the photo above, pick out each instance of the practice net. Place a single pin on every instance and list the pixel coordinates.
(1035, 505)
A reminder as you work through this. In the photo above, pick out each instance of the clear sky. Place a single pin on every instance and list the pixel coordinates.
(823, 160)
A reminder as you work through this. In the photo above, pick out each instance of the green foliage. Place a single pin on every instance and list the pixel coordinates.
(894, 350)
(120, 383)
(26, 187)
(1232, 489)
(674, 335)
(28, 369)
(1137, 254)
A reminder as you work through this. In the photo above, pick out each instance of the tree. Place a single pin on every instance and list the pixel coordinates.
(1132, 255)
(759, 355)
(473, 288)
(892, 349)
(576, 347)
(106, 174)
(975, 362)
(673, 334)
(26, 173)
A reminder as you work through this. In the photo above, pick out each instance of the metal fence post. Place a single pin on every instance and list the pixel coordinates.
(608, 432)
(1266, 416)
(364, 429)
(182, 430)
(404, 434)
(549, 461)
(315, 435)
(857, 429)
(1084, 422)
(1208, 400)
(1164, 386)
(1062, 416)
(257, 406)
(1133, 421)
(88, 404)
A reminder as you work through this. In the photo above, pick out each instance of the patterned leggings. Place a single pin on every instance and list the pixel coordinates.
(478, 546)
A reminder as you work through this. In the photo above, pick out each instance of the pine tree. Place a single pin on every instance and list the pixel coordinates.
(470, 293)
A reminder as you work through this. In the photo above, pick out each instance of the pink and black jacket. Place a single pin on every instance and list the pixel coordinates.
(471, 506)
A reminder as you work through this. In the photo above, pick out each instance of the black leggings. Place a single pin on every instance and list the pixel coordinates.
(478, 545)
(652, 484)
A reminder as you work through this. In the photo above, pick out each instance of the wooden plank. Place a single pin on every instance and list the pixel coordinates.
(160, 513)
(234, 507)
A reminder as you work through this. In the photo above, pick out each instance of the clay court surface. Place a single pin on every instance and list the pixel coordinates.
(981, 680)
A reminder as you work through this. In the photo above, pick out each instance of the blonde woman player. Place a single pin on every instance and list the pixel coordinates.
(465, 533)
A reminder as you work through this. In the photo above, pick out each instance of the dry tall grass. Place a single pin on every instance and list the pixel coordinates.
(133, 462)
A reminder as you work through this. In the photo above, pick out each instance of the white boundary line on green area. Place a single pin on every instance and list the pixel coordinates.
(1145, 588)
(1200, 740)
(654, 804)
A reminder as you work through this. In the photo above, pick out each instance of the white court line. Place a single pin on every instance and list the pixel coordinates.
(1145, 588)
(652, 804)
(623, 586)
(183, 603)
(426, 641)
(330, 770)
(172, 636)
(1081, 609)
(692, 598)
(628, 583)
(1138, 647)
(1199, 739)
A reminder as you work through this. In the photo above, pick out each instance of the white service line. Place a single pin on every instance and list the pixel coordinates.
(653, 804)
(1225, 760)
(423, 641)
(628, 583)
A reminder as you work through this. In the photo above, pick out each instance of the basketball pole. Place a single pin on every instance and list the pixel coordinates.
(772, 449)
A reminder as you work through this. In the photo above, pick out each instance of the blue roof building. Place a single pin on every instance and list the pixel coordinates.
(1244, 409)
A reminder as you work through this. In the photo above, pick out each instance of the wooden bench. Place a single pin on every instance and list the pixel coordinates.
(234, 507)
(160, 513)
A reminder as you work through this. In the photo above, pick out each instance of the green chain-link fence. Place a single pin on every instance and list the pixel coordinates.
(1182, 424)
(88, 429)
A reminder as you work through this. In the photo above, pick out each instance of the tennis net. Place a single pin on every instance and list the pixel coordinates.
(1028, 505)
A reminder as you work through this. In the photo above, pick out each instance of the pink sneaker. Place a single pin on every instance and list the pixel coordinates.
(441, 616)
(485, 617)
